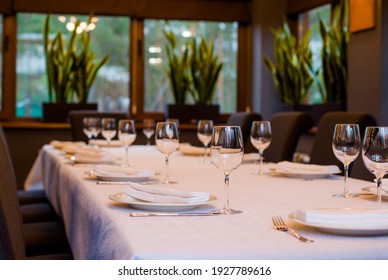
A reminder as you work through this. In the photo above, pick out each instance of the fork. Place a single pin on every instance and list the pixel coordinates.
(281, 225)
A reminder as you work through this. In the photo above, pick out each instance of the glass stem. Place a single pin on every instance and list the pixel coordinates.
(167, 180)
(148, 141)
(261, 162)
(205, 155)
(346, 171)
(227, 206)
(126, 157)
(379, 182)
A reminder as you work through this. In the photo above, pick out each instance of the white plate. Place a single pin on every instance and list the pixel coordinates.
(372, 190)
(149, 206)
(84, 160)
(137, 177)
(344, 229)
(305, 176)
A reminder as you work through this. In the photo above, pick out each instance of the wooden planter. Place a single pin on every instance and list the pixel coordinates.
(58, 112)
(193, 113)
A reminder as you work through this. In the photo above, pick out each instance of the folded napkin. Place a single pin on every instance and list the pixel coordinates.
(95, 158)
(344, 217)
(302, 168)
(83, 150)
(188, 149)
(115, 171)
(104, 143)
(162, 194)
(61, 144)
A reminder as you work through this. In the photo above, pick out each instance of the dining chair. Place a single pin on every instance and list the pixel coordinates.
(76, 121)
(20, 240)
(287, 127)
(244, 120)
(322, 152)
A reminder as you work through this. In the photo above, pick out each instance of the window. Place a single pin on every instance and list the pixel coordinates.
(156, 86)
(111, 37)
(310, 20)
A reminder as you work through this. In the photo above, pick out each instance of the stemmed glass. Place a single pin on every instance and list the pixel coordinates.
(204, 134)
(108, 129)
(127, 135)
(261, 139)
(167, 142)
(346, 146)
(375, 154)
(90, 127)
(226, 151)
(149, 129)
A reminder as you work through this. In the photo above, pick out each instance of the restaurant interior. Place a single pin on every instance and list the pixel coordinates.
(301, 66)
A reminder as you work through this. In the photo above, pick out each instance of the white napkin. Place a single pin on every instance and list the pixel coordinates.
(188, 149)
(104, 143)
(162, 194)
(344, 217)
(114, 171)
(61, 144)
(91, 158)
(302, 168)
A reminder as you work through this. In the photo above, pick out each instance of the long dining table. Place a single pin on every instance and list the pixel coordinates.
(101, 228)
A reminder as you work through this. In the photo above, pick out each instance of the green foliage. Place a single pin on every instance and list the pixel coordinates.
(205, 70)
(335, 39)
(178, 68)
(291, 71)
(70, 73)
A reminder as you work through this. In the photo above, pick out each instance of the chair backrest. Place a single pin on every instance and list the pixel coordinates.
(287, 127)
(11, 237)
(76, 118)
(244, 120)
(322, 152)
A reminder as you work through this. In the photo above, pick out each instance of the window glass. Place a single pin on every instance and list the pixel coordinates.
(111, 37)
(157, 91)
(310, 20)
(1, 63)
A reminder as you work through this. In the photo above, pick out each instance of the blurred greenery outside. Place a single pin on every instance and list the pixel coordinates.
(310, 20)
(111, 36)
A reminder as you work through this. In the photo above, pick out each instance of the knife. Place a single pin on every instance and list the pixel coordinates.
(173, 214)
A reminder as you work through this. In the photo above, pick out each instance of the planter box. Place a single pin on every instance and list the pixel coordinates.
(193, 113)
(58, 112)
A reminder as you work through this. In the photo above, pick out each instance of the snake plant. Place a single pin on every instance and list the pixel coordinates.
(291, 71)
(335, 39)
(178, 71)
(205, 70)
(70, 74)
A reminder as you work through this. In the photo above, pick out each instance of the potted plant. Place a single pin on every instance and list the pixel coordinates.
(195, 71)
(71, 70)
(291, 70)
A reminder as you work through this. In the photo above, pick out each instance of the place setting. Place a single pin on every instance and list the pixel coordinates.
(111, 174)
(303, 171)
(162, 199)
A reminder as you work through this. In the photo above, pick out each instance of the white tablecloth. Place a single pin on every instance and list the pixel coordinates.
(99, 228)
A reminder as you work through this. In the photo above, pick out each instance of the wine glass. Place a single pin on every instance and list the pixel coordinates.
(148, 130)
(108, 129)
(90, 126)
(375, 154)
(127, 135)
(261, 139)
(227, 151)
(167, 142)
(204, 133)
(346, 147)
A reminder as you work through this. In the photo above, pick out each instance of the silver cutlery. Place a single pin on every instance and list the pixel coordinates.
(281, 225)
(173, 214)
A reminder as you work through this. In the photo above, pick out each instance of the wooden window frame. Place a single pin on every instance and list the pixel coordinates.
(233, 10)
